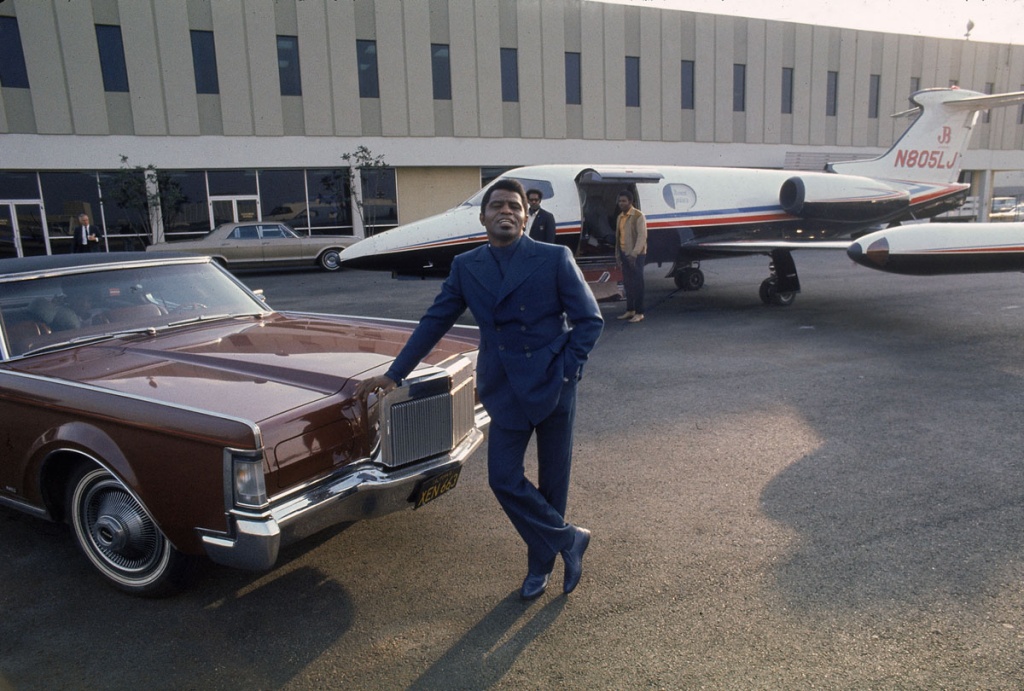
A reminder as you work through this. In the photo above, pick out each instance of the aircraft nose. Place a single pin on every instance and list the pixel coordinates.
(876, 253)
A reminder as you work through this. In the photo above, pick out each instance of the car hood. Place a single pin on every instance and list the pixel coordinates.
(250, 368)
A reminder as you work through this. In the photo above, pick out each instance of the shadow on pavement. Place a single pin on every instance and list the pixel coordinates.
(488, 650)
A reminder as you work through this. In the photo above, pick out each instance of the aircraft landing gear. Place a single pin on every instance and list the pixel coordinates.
(688, 278)
(781, 287)
(770, 294)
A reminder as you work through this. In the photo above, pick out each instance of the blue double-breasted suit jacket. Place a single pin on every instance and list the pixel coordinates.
(537, 323)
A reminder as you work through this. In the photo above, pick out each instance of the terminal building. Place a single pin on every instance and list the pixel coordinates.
(164, 118)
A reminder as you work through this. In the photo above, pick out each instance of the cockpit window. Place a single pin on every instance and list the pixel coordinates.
(528, 184)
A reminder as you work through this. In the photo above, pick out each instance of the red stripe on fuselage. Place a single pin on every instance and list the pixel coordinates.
(975, 250)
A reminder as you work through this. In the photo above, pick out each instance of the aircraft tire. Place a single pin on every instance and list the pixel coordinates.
(689, 279)
(771, 296)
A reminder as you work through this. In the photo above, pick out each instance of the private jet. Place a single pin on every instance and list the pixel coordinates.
(701, 213)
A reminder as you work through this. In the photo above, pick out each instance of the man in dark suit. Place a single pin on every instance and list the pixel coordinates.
(86, 237)
(540, 224)
(538, 322)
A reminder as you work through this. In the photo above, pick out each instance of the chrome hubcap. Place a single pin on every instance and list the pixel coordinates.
(119, 528)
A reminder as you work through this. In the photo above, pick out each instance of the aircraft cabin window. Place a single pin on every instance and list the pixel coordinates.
(679, 197)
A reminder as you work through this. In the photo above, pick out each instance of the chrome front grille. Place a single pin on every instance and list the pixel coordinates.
(428, 415)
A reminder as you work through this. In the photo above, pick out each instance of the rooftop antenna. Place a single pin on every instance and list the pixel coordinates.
(970, 26)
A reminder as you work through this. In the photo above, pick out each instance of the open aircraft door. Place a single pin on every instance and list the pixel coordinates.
(599, 191)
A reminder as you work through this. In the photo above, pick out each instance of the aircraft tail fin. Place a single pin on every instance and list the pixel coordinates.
(932, 148)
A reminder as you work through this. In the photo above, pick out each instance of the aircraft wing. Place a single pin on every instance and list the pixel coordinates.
(765, 246)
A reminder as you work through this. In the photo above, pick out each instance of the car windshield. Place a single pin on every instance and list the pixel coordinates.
(58, 309)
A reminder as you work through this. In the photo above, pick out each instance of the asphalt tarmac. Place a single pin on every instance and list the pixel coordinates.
(826, 495)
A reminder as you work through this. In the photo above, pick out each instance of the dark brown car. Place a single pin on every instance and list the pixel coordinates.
(165, 412)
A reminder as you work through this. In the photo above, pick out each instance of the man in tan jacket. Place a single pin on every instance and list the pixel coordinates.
(630, 254)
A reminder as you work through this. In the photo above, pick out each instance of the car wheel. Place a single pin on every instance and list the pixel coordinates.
(120, 538)
(330, 260)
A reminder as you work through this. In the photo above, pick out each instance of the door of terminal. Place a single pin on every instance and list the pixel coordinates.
(22, 231)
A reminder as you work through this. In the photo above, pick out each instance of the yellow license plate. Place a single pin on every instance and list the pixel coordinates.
(434, 487)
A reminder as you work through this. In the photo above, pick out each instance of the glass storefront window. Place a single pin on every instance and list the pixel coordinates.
(191, 218)
(19, 185)
(380, 199)
(125, 210)
(312, 201)
(283, 198)
(224, 183)
(65, 196)
(329, 202)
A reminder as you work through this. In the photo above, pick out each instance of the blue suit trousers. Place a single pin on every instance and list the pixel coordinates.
(537, 512)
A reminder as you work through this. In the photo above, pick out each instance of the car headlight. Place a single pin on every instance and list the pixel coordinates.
(250, 487)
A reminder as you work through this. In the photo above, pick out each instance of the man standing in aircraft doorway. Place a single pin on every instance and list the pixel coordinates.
(630, 254)
(540, 225)
(538, 322)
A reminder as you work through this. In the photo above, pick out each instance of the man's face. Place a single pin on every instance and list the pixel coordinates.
(504, 217)
(84, 220)
(624, 204)
(534, 201)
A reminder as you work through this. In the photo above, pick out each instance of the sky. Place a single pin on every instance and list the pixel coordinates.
(995, 21)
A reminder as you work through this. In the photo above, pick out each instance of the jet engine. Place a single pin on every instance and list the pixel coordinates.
(842, 199)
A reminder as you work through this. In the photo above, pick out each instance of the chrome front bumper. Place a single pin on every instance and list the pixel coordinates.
(353, 493)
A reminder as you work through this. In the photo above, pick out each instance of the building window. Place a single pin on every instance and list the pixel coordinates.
(874, 93)
(787, 90)
(379, 199)
(204, 62)
(12, 59)
(329, 202)
(573, 79)
(1020, 113)
(288, 65)
(739, 88)
(986, 115)
(915, 84)
(832, 94)
(632, 81)
(366, 60)
(441, 69)
(111, 47)
(686, 85)
(509, 75)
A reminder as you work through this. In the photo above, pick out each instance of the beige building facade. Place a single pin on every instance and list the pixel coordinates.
(246, 107)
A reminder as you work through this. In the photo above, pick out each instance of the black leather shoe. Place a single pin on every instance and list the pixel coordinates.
(573, 558)
(534, 585)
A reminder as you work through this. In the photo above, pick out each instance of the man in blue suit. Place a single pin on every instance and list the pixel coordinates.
(538, 322)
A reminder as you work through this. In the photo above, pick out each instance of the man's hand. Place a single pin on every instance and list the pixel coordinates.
(382, 384)
(631, 261)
